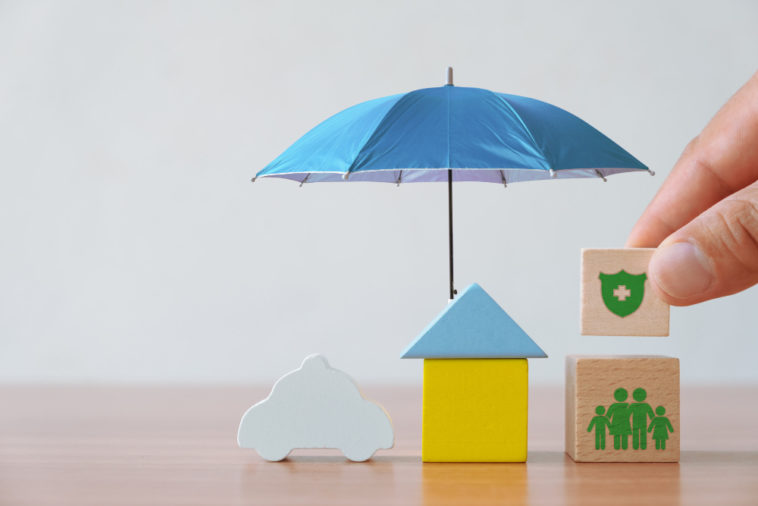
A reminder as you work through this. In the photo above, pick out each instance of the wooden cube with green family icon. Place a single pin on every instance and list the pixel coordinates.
(622, 408)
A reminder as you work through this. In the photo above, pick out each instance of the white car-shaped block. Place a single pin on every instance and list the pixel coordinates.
(315, 406)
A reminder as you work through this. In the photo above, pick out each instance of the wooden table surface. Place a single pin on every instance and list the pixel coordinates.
(176, 445)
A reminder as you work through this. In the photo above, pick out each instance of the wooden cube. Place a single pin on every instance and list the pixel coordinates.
(622, 408)
(617, 299)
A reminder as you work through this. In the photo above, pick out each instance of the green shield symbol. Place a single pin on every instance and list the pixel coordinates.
(622, 292)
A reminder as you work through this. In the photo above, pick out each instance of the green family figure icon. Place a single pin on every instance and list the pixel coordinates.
(624, 419)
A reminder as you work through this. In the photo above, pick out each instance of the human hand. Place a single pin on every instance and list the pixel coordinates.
(704, 219)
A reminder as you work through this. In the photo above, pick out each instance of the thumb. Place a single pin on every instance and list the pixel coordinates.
(714, 255)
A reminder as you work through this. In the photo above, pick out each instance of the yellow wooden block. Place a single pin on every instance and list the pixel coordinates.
(475, 410)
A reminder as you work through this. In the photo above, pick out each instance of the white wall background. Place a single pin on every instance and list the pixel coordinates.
(135, 249)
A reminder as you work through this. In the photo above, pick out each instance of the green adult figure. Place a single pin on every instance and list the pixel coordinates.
(640, 412)
(660, 427)
(619, 415)
(600, 423)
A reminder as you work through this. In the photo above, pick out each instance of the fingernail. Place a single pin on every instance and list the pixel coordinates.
(681, 270)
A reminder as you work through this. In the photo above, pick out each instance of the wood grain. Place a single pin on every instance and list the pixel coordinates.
(176, 446)
(652, 316)
(591, 382)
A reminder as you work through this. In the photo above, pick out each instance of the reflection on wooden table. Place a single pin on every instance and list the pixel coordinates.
(118, 445)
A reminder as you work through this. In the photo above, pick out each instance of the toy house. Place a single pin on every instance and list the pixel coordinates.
(475, 382)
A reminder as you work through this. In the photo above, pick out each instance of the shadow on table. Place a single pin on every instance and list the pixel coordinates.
(547, 478)
(340, 459)
(626, 482)
(325, 477)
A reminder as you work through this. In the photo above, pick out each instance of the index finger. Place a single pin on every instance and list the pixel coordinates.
(720, 161)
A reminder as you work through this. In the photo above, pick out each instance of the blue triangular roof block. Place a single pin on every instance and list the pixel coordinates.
(473, 326)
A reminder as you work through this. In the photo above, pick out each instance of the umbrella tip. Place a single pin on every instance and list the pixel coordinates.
(450, 76)
(651, 172)
(601, 176)
(553, 173)
(344, 176)
(252, 180)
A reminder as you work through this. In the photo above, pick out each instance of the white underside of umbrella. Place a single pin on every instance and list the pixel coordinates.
(415, 175)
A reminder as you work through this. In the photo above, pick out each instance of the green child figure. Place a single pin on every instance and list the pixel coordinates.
(660, 427)
(601, 423)
(619, 415)
(640, 412)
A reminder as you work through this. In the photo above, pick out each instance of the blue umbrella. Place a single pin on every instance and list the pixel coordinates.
(447, 134)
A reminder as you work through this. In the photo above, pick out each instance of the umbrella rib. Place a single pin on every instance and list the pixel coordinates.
(305, 179)
(502, 176)
(373, 133)
(399, 178)
(600, 175)
(553, 173)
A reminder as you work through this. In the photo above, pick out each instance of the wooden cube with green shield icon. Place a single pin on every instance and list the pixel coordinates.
(617, 299)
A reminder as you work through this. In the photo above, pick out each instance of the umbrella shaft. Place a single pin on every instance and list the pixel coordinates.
(450, 227)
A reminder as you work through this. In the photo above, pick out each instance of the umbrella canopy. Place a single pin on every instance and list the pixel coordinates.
(480, 134)
(451, 134)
